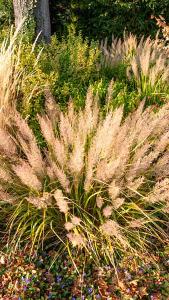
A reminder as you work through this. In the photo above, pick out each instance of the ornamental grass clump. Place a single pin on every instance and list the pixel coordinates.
(146, 62)
(9, 74)
(101, 184)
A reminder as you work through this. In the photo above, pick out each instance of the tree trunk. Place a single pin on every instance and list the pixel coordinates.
(21, 10)
(42, 16)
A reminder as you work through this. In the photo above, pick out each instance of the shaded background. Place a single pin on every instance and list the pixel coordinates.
(98, 19)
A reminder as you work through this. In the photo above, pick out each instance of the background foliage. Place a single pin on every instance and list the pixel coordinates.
(6, 13)
(99, 18)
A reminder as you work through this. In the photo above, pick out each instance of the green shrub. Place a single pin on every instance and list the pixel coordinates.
(101, 184)
(67, 67)
(6, 13)
(71, 66)
(98, 19)
(75, 62)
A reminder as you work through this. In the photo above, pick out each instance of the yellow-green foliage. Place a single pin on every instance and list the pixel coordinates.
(75, 62)
(67, 67)
(70, 66)
(34, 78)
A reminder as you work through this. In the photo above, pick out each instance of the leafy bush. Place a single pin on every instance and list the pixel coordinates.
(71, 66)
(99, 19)
(101, 184)
(6, 14)
(75, 62)
(68, 67)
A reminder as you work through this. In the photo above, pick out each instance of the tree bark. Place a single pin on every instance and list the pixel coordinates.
(41, 14)
(43, 24)
(21, 10)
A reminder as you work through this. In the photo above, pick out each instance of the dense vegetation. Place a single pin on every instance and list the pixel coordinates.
(98, 19)
(84, 147)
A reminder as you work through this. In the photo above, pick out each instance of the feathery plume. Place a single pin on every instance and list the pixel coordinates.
(28, 144)
(5, 175)
(99, 201)
(118, 202)
(114, 190)
(138, 223)
(6, 197)
(75, 220)
(40, 202)
(56, 173)
(160, 192)
(69, 226)
(9, 75)
(61, 202)
(107, 211)
(7, 145)
(111, 228)
(24, 171)
(76, 239)
(77, 157)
